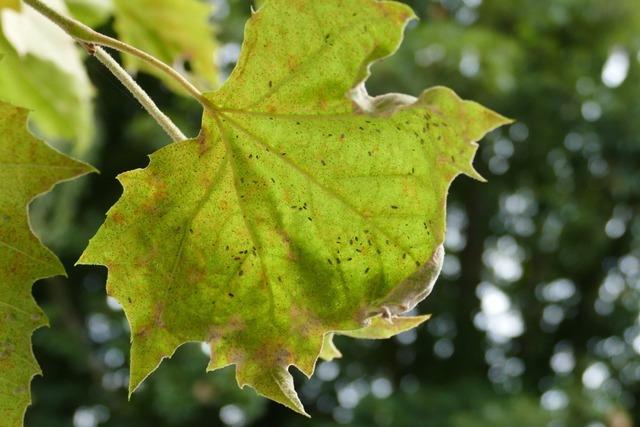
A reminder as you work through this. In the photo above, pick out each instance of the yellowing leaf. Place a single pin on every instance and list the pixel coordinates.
(175, 31)
(329, 350)
(42, 69)
(27, 168)
(10, 4)
(305, 207)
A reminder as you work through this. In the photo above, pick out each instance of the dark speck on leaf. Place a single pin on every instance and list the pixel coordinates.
(270, 83)
(366, 270)
(394, 207)
(231, 295)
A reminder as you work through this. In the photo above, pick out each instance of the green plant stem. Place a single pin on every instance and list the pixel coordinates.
(83, 33)
(133, 87)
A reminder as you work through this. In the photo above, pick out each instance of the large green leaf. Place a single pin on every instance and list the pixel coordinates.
(27, 168)
(42, 69)
(299, 211)
(176, 31)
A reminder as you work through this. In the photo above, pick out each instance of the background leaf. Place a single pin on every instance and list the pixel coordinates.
(27, 168)
(178, 32)
(11, 4)
(42, 69)
(90, 12)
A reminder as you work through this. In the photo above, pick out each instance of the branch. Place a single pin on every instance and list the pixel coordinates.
(121, 74)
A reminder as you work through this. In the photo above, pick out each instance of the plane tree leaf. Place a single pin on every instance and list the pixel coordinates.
(28, 167)
(178, 32)
(90, 12)
(42, 69)
(10, 4)
(305, 207)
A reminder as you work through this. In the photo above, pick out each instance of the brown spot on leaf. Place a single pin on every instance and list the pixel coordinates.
(118, 218)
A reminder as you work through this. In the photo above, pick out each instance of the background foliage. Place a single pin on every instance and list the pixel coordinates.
(536, 315)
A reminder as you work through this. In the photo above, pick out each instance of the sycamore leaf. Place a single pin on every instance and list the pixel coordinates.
(305, 207)
(10, 4)
(28, 168)
(176, 31)
(42, 69)
(90, 12)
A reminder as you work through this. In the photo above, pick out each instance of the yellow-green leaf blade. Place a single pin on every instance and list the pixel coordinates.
(174, 31)
(305, 207)
(10, 4)
(28, 168)
(42, 69)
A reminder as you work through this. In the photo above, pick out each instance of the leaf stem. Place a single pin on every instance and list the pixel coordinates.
(121, 74)
(83, 33)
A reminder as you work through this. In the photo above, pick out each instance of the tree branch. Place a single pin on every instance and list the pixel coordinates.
(121, 74)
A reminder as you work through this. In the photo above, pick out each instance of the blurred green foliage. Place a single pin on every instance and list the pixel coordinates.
(536, 314)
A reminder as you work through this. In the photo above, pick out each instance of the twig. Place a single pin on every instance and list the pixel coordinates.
(121, 74)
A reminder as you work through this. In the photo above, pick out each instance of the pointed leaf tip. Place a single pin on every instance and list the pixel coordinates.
(275, 383)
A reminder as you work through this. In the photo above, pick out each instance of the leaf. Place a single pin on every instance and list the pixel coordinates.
(91, 12)
(42, 69)
(27, 168)
(329, 350)
(299, 211)
(10, 4)
(176, 32)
